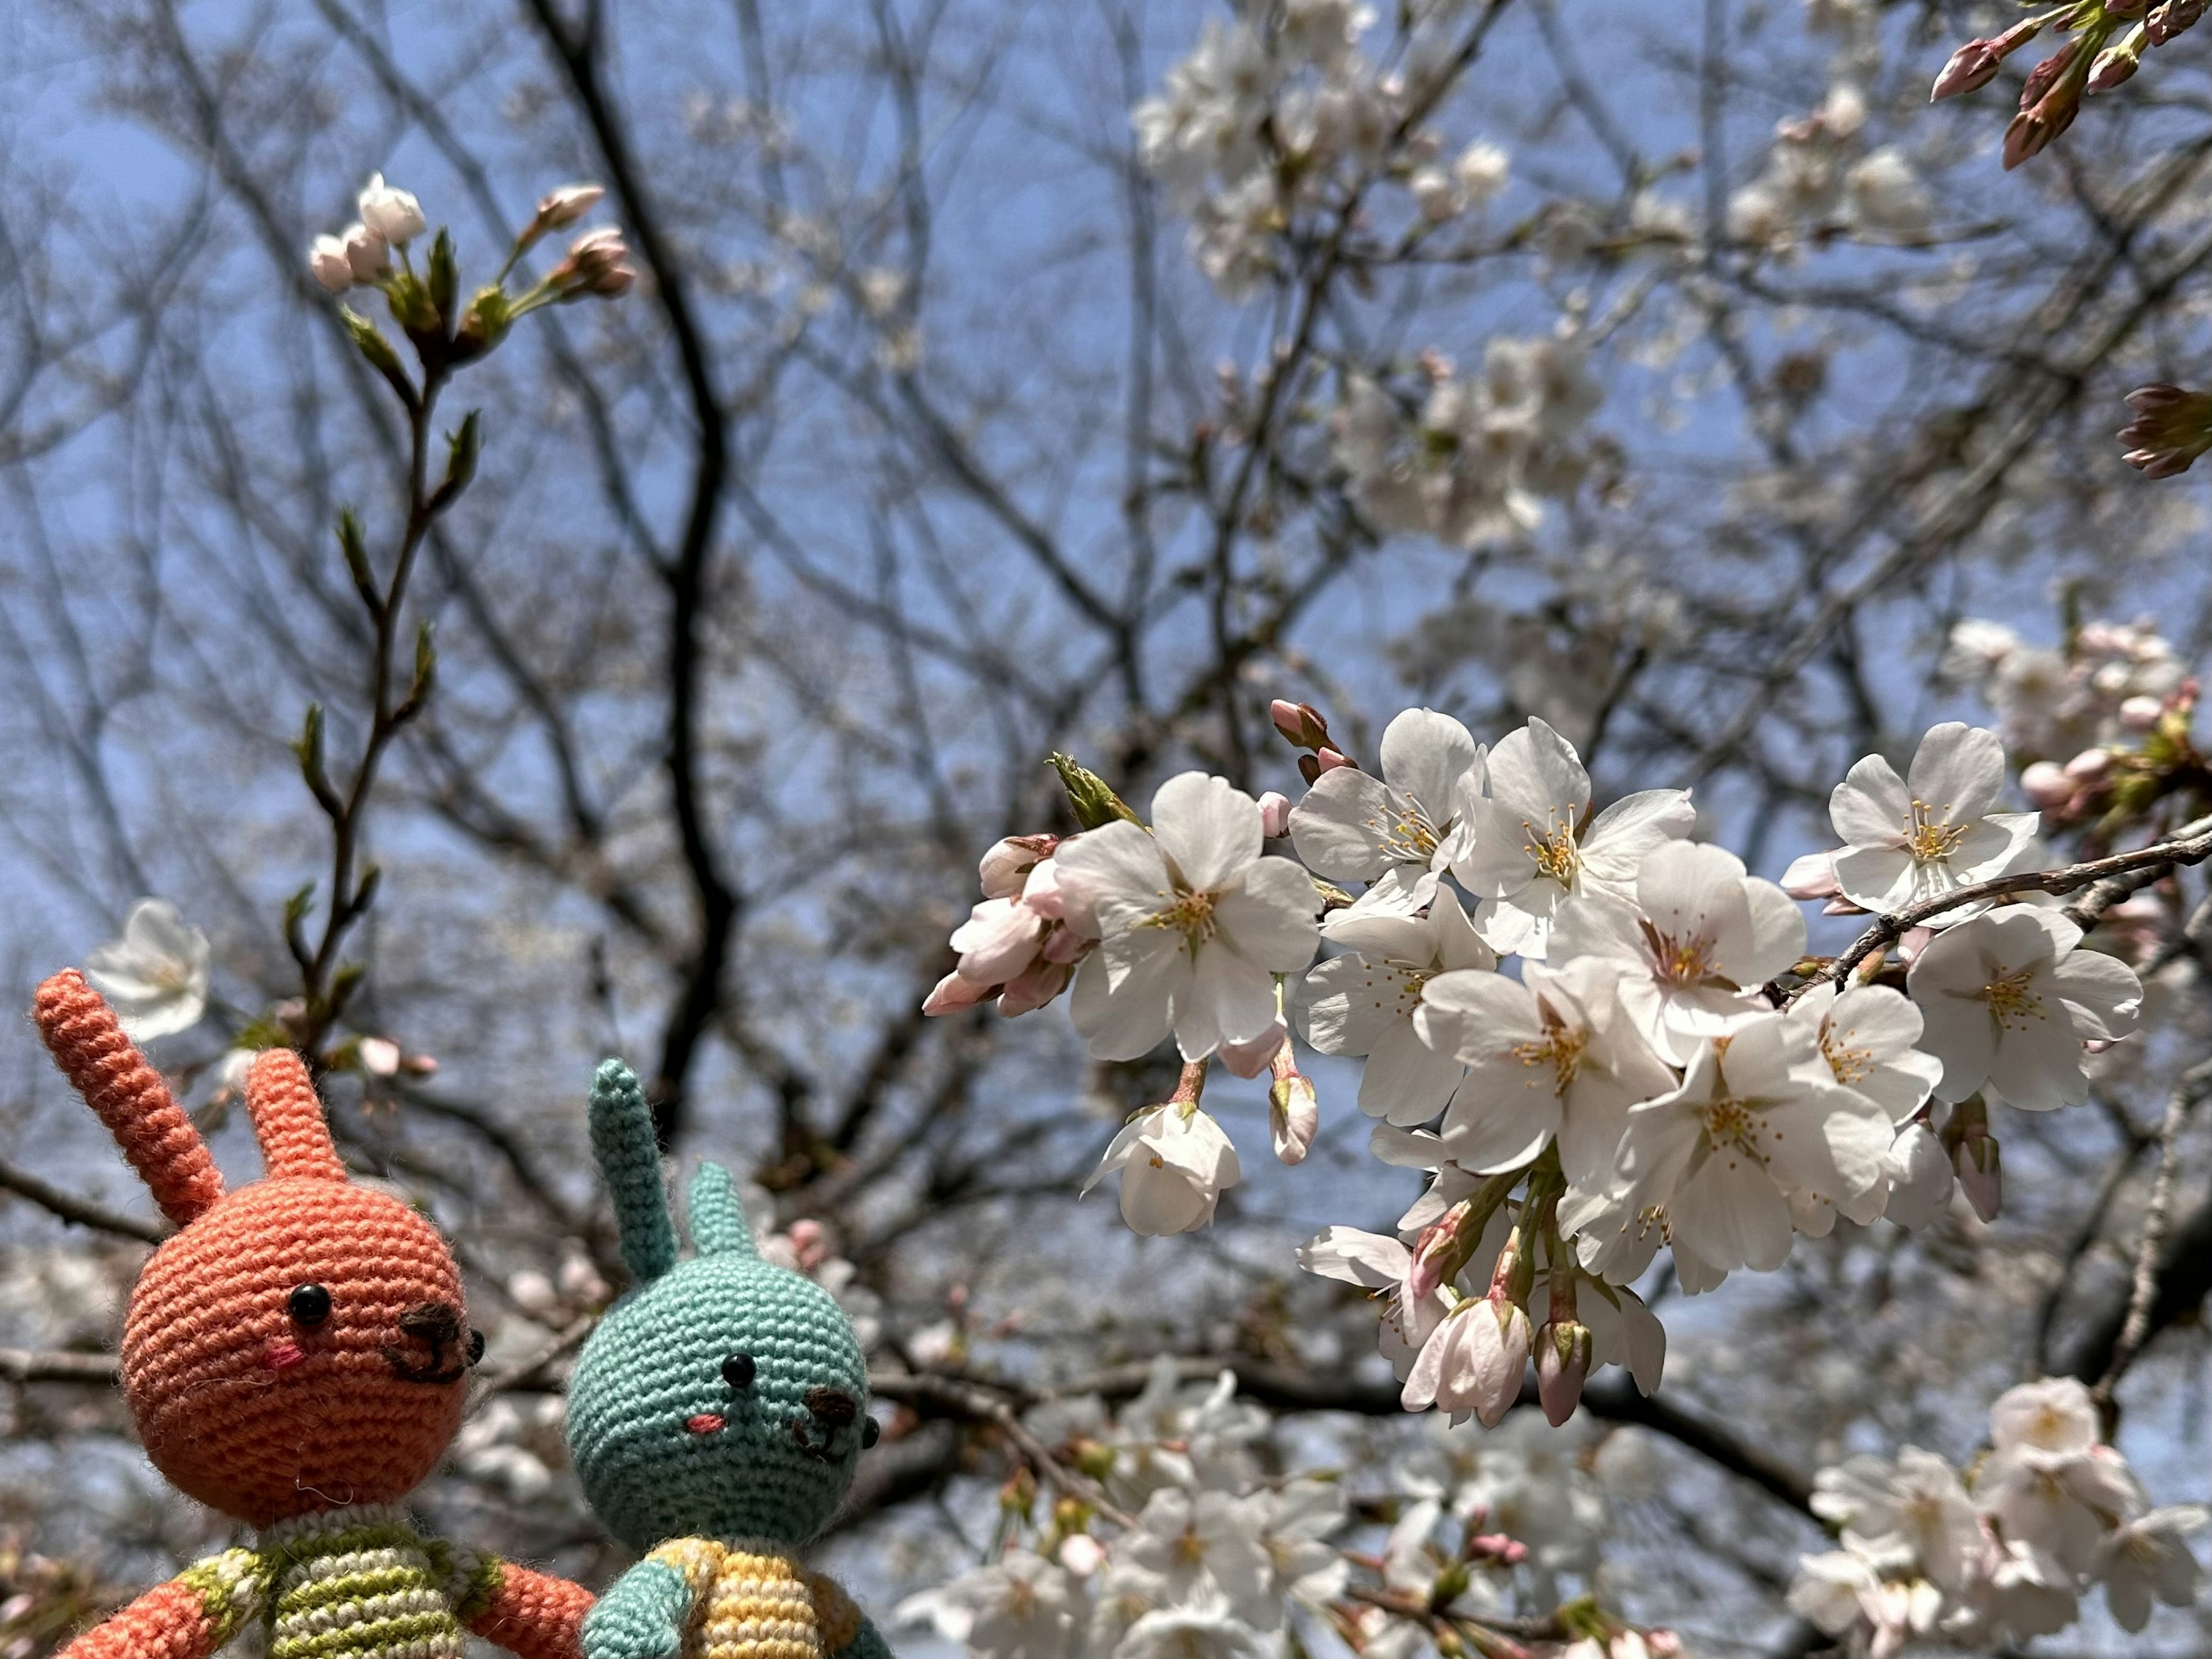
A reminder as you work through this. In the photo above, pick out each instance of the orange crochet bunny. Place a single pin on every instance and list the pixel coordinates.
(293, 1356)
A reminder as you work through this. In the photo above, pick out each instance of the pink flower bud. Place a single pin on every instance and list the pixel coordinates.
(1009, 861)
(953, 995)
(1563, 1363)
(2117, 63)
(2089, 766)
(2171, 18)
(326, 259)
(1040, 894)
(366, 251)
(1293, 1116)
(1328, 760)
(379, 1056)
(562, 206)
(1082, 1554)
(1812, 876)
(1035, 986)
(1981, 1174)
(1913, 942)
(1971, 68)
(1274, 815)
(1300, 723)
(2044, 75)
(2140, 714)
(2172, 427)
(2046, 785)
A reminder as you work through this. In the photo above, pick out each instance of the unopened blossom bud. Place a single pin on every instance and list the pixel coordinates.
(1975, 64)
(1974, 1155)
(1912, 941)
(1441, 1249)
(366, 251)
(1006, 867)
(953, 993)
(394, 214)
(1563, 1363)
(2056, 88)
(1300, 723)
(1274, 815)
(2172, 427)
(597, 263)
(2089, 766)
(2117, 62)
(2046, 785)
(1082, 1554)
(1294, 1111)
(560, 208)
(2141, 713)
(326, 259)
(2044, 75)
(1328, 760)
(2169, 19)
(379, 1056)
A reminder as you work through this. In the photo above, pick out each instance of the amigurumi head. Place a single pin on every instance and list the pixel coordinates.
(724, 1396)
(298, 1343)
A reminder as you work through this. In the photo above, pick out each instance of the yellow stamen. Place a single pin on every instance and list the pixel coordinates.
(1553, 850)
(1930, 841)
(1190, 914)
(2012, 1005)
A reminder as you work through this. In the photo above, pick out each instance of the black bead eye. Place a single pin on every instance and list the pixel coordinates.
(476, 1347)
(308, 1304)
(737, 1372)
(871, 1431)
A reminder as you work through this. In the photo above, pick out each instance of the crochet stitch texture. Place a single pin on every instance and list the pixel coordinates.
(295, 1357)
(714, 1418)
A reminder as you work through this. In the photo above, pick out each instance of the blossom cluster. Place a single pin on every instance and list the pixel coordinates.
(1217, 1560)
(1820, 176)
(2065, 710)
(1666, 1066)
(1277, 113)
(2004, 1551)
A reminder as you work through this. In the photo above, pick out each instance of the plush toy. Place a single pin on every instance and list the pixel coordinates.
(714, 1418)
(295, 1357)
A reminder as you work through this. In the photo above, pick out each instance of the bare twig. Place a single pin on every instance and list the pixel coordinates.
(82, 1211)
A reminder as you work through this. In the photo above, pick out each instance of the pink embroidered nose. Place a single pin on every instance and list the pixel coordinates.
(705, 1423)
(281, 1356)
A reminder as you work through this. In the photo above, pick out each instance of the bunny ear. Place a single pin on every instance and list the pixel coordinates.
(718, 1218)
(127, 1095)
(629, 1158)
(288, 1119)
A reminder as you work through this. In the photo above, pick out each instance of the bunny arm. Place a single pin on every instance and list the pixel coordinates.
(846, 1631)
(644, 1613)
(188, 1618)
(534, 1615)
(867, 1643)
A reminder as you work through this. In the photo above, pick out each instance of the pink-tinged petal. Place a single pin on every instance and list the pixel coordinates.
(1270, 918)
(1501, 1115)
(1208, 827)
(1123, 996)
(1958, 771)
(1472, 1014)
(1879, 879)
(1041, 893)
(1340, 828)
(1534, 773)
(1033, 988)
(1227, 999)
(1871, 806)
(1249, 1060)
(952, 993)
(1812, 876)
(2102, 992)
(999, 940)
(1111, 878)
(1425, 755)
(1405, 1081)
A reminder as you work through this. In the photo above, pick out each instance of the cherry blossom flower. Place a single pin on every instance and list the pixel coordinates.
(1919, 1176)
(1018, 1607)
(393, 215)
(1869, 1036)
(155, 976)
(1759, 1116)
(2151, 1557)
(1701, 938)
(1530, 845)
(1193, 922)
(1383, 1265)
(1176, 1163)
(1550, 1056)
(1914, 1505)
(2050, 1481)
(1017, 945)
(1391, 832)
(1365, 1002)
(2008, 1001)
(1932, 832)
(327, 262)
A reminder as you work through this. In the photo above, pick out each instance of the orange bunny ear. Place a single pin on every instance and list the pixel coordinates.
(127, 1094)
(287, 1118)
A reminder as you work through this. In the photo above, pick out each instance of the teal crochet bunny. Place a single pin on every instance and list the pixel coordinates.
(714, 1418)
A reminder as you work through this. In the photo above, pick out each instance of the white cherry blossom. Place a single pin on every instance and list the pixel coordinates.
(1759, 1116)
(2008, 1002)
(1932, 832)
(1550, 1056)
(1701, 938)
(155, 976)
(1391, 832)
(1474, 1361)
(1919, 1176)
(1194, 924)
(1531, 846)
(2150, 1558)
(1869, 1036)
(1365, 1002)
(393, 214)
(1176, 1163)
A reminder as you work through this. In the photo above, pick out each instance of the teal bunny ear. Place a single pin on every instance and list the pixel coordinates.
(718, 1219)
(629, 1158)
